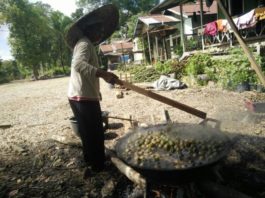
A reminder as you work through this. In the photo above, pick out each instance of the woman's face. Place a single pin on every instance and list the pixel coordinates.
(95, 33)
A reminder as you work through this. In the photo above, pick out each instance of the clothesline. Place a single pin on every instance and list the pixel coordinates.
(245, 21)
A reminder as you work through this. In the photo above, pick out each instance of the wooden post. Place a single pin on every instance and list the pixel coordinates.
(172, 53)
(201, 16)
(249, 54)
(182, 29)
(157, 53)
(164, 49)
(149, 47)
(123, 59)
(143, 50)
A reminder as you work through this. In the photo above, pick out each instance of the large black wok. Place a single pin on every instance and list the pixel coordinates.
(168, 171)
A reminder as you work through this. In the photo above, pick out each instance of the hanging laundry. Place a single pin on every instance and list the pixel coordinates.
(247, 20)
(225, 25)
(211, 29)
(222, 25)
(260, 13)
(228, 27)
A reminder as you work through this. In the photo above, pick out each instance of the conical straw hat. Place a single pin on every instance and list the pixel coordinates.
(107, 15)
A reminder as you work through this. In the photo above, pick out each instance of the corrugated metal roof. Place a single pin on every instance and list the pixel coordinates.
(159, 18)
(190, 8)
(116, 47)
(151, 21)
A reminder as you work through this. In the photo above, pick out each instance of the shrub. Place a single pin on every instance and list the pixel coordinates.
(227, 72)
(144, 74)
(197, 64)
(55, 71)
(164, 68)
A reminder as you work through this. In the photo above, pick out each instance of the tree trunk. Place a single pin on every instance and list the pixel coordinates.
(35, 72)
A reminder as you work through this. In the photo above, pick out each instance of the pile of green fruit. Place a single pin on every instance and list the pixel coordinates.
(158, 150)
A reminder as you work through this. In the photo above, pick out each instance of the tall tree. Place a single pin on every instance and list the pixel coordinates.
(28, 27)
(60, 52)
(36, 34)
(77, 14)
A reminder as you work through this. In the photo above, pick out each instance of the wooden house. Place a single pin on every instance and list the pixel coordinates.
(153, 30)
(118, 52)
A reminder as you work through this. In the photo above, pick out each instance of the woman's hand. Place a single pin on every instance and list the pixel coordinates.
(107, 76)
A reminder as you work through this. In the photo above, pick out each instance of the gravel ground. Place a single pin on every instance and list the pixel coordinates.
(40, 145)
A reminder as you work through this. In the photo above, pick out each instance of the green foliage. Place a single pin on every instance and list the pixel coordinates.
(179, 50)
(192, 44)
(197, 64)
(144, 74)
(169, 66)
(36, 34)
(25, 72)
(227, 72)
(57, 71)
(4, 75)
(234, 70)
(9, 70)
(127, 8)
(262, 62)
(77, 14)
(131, 23)
(244, 71)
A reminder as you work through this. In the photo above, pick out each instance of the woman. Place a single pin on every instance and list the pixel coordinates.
(83, 91)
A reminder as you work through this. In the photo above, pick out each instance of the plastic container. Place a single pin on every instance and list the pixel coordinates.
(260, 88)
(105, 121)
(74, 126)
(244, 86)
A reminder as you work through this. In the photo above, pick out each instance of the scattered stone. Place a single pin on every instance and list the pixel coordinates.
(108, 189)
(119, 94)
(258, 131)
(13, 193)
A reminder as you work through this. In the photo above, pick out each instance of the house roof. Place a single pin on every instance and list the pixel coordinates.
(116, 47)
(167, 4)
(190, 8)
(151, 21)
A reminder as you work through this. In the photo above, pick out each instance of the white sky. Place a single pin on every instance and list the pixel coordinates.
(65, 6)
(4, 48)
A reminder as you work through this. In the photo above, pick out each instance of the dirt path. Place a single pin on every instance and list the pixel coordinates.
(39, 114)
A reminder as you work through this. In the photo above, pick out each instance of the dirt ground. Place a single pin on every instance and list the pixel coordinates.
(41, 156)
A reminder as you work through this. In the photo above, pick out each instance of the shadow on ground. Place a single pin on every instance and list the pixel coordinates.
(53, 169)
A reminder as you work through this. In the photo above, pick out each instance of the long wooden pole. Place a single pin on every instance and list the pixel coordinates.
(201, 17)
(249, 54)
(163, 99)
